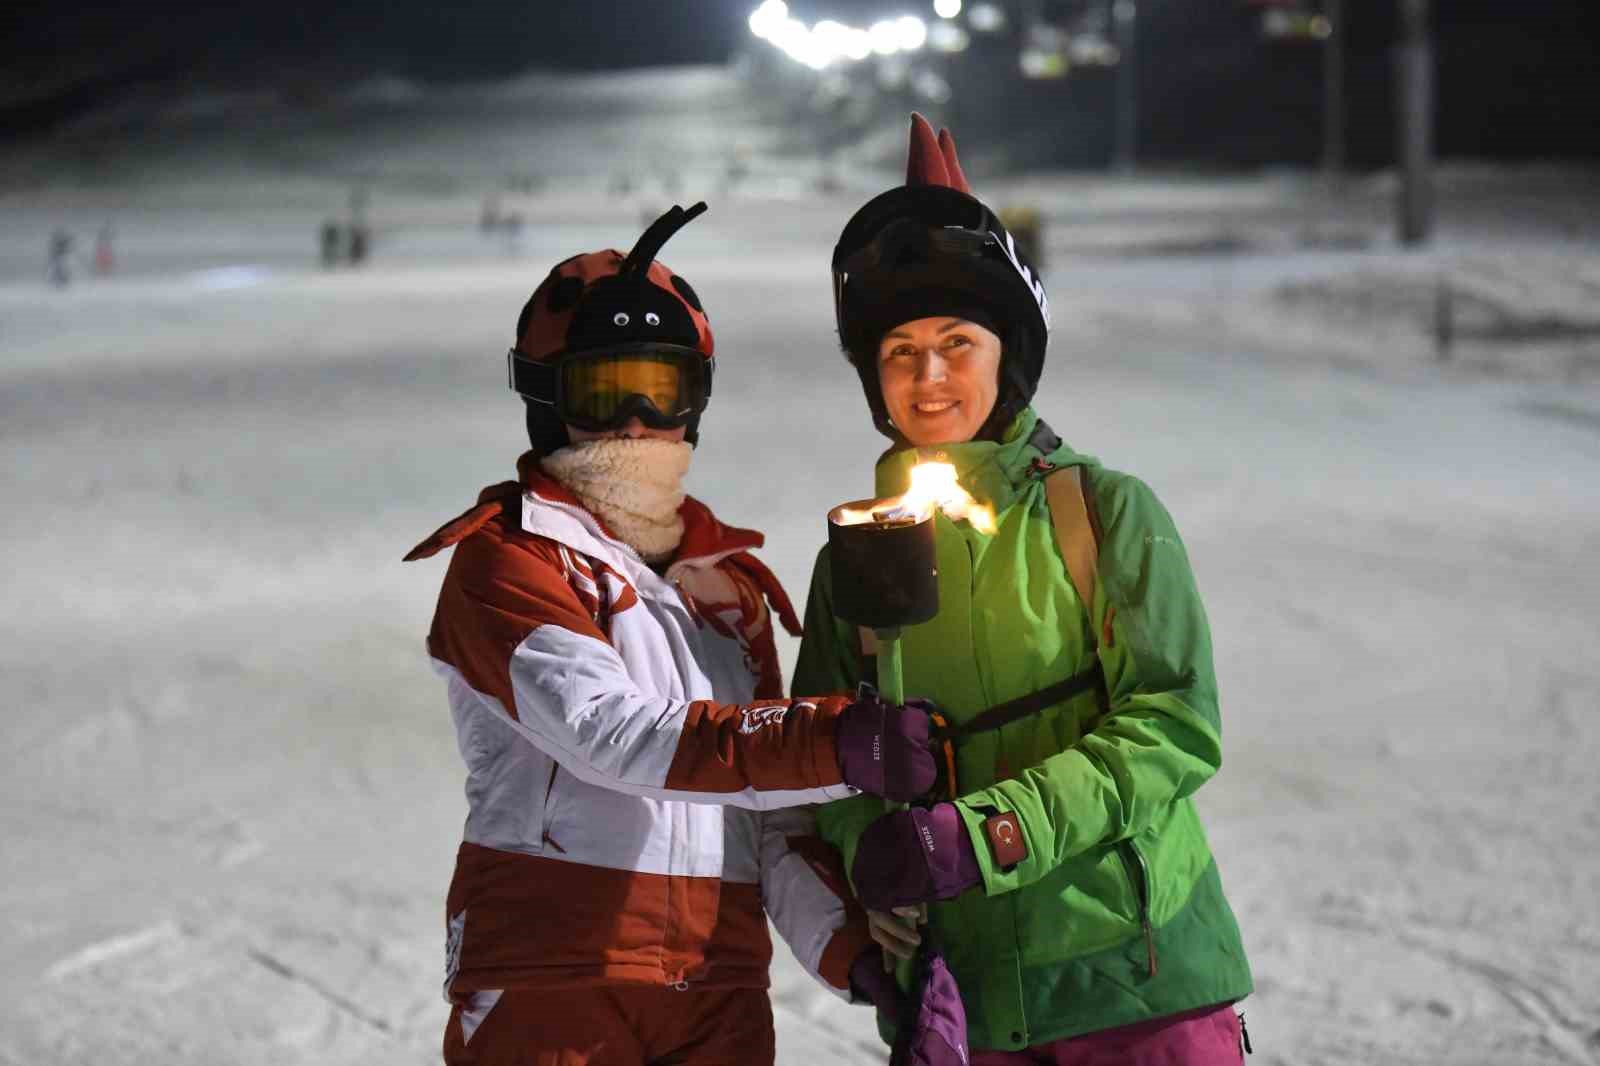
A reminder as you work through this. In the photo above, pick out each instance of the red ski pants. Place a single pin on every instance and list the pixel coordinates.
(615, 1026)
(1205, 1037)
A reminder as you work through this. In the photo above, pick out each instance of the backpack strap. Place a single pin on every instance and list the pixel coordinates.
(1076, 522)
(1077, 533)
(1014, 710)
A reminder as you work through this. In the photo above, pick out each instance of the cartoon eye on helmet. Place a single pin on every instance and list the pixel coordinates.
(608, 337)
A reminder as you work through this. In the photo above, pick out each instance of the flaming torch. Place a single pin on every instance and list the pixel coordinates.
(885, 574)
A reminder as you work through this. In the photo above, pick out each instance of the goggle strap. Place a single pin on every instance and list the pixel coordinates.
(536, 381)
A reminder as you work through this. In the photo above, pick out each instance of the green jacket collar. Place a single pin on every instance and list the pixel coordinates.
(994, 472)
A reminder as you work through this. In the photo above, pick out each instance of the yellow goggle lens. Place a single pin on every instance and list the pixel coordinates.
(594, 388)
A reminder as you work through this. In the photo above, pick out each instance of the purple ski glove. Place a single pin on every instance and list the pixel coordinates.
(871, 982)
(938, 1034)
(915, 856)
(883, 749)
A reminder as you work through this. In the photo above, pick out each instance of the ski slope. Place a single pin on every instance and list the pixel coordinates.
(231, 795)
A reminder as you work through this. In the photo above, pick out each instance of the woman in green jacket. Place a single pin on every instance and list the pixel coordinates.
(1066, 875)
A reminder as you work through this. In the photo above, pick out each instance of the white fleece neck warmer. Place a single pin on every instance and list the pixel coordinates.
(634, 486)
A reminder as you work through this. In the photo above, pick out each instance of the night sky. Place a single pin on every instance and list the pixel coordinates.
(1517, 80)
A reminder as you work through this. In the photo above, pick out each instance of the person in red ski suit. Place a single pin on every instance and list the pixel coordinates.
(635, 779)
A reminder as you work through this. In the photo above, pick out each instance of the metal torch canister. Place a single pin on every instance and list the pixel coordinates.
(885, 576)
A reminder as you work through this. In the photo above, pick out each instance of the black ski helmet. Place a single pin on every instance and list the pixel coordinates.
(931, 248)
(602, 300)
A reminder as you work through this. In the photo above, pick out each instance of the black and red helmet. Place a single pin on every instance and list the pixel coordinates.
(603, 303)
(929, 247)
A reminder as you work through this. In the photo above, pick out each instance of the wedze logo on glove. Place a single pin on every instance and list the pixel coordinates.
(755, 718)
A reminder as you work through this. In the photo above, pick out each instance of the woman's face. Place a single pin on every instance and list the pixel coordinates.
(940, 377)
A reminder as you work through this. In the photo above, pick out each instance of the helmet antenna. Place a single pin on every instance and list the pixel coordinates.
(660, 232)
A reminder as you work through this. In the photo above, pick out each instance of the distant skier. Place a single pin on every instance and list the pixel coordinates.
(60, 265)
(359, 243)
(105, 258)
(328, 240)
(632, 768)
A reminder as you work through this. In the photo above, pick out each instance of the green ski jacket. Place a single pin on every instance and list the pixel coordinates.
(1117, 913)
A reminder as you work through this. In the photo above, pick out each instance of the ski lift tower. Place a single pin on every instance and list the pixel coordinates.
(1125, 27)
(1414, 85)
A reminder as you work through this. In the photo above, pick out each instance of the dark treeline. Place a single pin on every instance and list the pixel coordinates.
(1516, 80)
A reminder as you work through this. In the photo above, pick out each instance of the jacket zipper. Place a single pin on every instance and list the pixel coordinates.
(1139, 874)
(544, 814)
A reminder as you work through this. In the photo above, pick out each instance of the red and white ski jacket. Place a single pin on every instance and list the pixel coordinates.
(632, 776)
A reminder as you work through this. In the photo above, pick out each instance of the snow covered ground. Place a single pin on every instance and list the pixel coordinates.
(231, 795)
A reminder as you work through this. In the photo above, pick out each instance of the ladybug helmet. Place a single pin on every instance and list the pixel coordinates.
(608, 337)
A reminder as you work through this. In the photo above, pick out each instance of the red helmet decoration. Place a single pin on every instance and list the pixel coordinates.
(932, 160)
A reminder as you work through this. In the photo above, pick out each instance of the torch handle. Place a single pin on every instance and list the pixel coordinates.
(891, 679)
(891, 686)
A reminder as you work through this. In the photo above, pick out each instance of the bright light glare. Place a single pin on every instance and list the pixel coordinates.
(987, 18)
(824, 44)
(885, 37)
(832, 40)
(766, 19)
(947, 37)
(947, 9)
(911, 32)
(802, 45)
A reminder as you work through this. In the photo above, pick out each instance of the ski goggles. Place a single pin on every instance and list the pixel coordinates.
(913, 240)
(663, 385)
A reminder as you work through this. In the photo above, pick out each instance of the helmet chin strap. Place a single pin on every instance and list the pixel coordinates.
(1008, 403)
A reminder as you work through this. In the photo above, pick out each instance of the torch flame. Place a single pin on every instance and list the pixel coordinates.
(932, 485)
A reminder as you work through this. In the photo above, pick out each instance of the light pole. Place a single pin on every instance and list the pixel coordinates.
(1333, 94)
(1124, 21)
(1414, 108)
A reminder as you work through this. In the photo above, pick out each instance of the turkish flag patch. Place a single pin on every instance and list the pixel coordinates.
(1005, 839)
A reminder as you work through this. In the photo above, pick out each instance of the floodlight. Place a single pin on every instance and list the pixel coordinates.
(765, 19)
(885, 37)
(987, 18)
(947, 37)
(911, 32)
